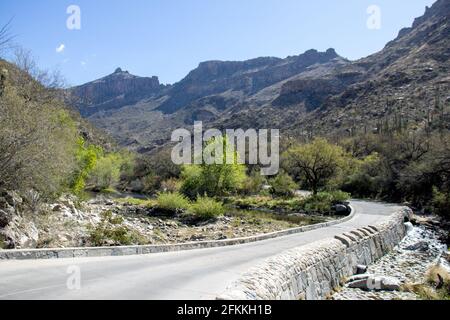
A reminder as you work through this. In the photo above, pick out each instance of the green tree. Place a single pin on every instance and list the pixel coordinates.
(315, 163)
(214, 179)
(37, 135)
(86, 157)
(364, 177)
(109, 168)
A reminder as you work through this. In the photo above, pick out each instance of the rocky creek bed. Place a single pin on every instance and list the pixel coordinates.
(69, 223)
(407, 264)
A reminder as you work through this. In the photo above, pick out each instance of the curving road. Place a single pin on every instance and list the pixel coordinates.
(196, 274)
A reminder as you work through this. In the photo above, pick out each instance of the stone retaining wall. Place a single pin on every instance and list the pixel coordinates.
(311, 272)
(137, 250)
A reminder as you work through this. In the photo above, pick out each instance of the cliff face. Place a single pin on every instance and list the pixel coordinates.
(114, 91)
(246, 77)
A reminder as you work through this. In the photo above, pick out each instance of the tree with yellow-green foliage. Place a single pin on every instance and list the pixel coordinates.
(86, 157)
(108, 169)
(214, 179)
(316, 163)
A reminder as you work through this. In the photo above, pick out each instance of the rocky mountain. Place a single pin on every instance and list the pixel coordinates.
(241, 77)
(405, 84)
(141, 113)
(408, 81)
(312, 93)
(114, 91)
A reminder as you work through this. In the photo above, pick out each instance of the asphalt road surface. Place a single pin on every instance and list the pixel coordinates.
(196, 274)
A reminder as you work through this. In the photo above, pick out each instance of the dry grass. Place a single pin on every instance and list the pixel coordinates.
(437, 274)
(424, 291)
(436, 286)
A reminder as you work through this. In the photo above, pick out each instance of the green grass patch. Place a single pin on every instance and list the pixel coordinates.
(323, 201)
(150, 203)
(111, 231)
(268, 202)
(320, 203)
(207, 208)
(172, 202)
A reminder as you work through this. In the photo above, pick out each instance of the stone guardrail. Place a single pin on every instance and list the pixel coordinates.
(311, 272)
(24, 254)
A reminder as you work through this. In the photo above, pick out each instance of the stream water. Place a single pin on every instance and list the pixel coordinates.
(408, 262)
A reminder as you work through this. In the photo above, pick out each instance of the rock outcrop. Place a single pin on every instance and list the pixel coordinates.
(114, 91)
(16, 231)
(248, 77)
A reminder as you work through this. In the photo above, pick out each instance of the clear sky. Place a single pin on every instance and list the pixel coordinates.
(168, 38)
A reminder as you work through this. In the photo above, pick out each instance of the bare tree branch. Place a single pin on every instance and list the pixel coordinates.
(6, 37)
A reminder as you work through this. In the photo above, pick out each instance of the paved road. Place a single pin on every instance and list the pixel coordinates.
(196, 274)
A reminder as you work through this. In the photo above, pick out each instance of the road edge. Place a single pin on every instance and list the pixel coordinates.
(313, 271)
(80, 252)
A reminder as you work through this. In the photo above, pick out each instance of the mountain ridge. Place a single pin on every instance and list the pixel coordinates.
(314, 92)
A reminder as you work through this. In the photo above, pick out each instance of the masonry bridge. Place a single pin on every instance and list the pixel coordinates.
(303, 263)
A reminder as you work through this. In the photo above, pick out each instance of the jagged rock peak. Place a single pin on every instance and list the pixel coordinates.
(331, 51)
(119, 70)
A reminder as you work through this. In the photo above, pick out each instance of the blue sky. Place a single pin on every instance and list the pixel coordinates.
(168, 38)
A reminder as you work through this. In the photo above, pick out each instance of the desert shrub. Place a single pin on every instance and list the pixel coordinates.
(37, 133)
(106, 172)
(159, 164)
(268, 202)
(252, 184)
(150, 184)
(339, 196)
(150, 203)
(172, 202)
(441, 202)
(207, 208)
(111, 231)
(363, 179)
(171, 185)
(323, 201)
(32, 200)
(282, 185)
(149, 171)
(258, 216)
(192, 184)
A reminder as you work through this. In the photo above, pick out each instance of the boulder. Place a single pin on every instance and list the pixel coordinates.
(409, 227)
(5, 218)
(361, 269)
(20, 234)
(7, 213)
(12, 198)
(446, 256)
(421, 246)
(57, 208)
(341, 209)
(371, 282)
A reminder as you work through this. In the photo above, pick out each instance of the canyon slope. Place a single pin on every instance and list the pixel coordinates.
(312, 93)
